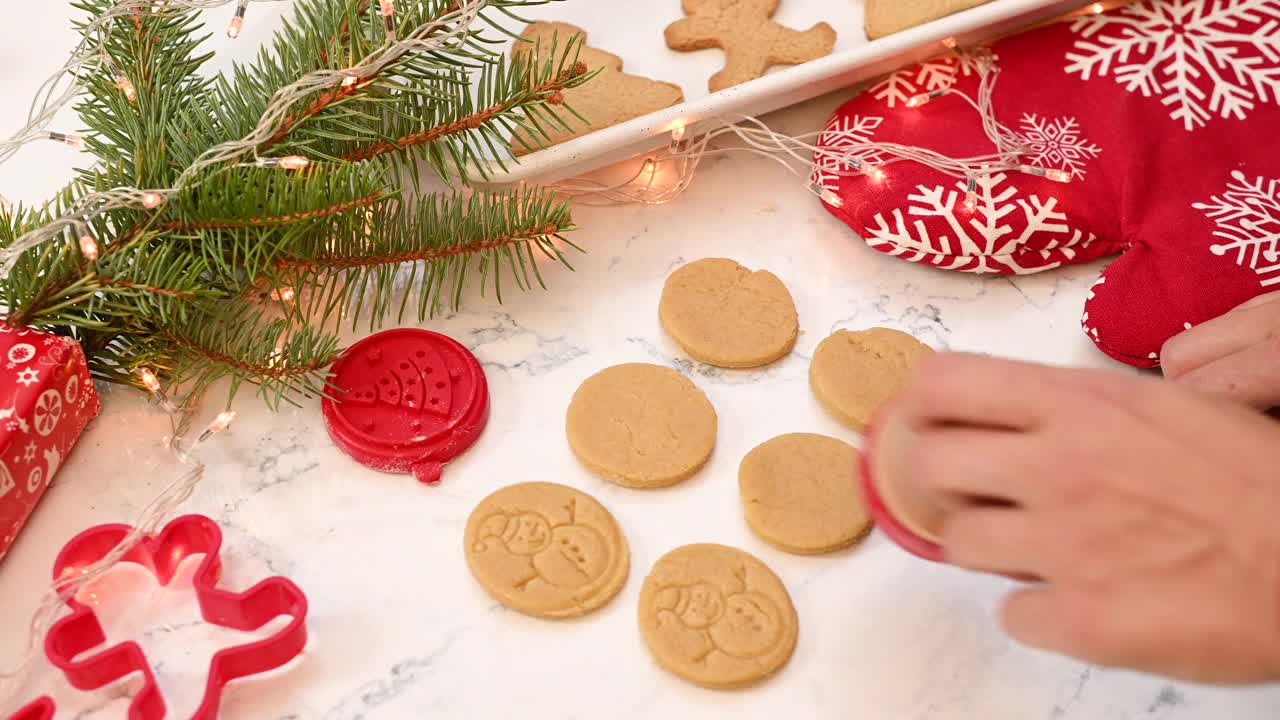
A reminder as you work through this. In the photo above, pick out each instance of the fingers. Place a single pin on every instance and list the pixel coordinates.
(1250, 376)
(1247, 325)
(952, 388)
(963, 464)
(1001, 540)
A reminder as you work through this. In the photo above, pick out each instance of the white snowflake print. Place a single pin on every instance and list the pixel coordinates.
(28, 376)
(1057, 143)
(1200, 57)
(50, 340)
(982, 241)
(29, 452)
(842, 131)
(1248, 220)
(936, 74)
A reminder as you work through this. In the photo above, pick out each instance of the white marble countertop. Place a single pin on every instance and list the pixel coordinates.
(399, 629)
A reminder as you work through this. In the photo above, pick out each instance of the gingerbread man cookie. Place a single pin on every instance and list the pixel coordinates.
(609, 98)
(751, 41)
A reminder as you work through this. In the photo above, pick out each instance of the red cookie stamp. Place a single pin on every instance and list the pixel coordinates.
(407, 401)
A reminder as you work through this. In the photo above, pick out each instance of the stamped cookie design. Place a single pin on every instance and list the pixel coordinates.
(727, 315)
(546, 550)
(751, 40)
(406, 401)
(853, 373)
(609, 98)
(641, 426)
(717, 617)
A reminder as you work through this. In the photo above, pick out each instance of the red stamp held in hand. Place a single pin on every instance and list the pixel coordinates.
(407, 401)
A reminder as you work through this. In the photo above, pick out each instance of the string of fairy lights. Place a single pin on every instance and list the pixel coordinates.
(800, 154)
(803, 156)
(90, 56)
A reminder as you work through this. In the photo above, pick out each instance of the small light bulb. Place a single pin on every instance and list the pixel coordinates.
(950, 43)
(388, 11)
(829, 197)
(74, 141)
(677, 133)
(288, 162)
(126, 86)
(222, 421)
(925, 98)
(1097, 8)
(349, 80)
(149, 380)
(284, 294)
(151, 200)
(236, 25)
(88, 247)
(874, 173)
(971, 195)
(1056, 175)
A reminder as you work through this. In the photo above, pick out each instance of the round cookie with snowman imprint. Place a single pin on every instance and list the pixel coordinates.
(546, 550)
(717, 617)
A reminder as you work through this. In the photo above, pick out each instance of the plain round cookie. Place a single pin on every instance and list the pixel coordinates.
(717, 617)
(853, 373)
(641, 426)
(726, 315)
(800, 493)
(546, 550)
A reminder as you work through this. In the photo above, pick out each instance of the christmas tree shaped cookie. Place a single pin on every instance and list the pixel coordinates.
(609, 98)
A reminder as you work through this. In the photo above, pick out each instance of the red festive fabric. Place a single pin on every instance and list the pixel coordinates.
(1165, 112)
(46, 399)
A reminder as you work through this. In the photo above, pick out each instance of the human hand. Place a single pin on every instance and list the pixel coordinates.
(1145, 511)
(1235, 356)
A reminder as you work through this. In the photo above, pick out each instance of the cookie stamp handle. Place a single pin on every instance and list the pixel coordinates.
(896, 529)
(428, 472)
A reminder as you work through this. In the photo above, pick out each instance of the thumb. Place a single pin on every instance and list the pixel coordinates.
(1250, 376)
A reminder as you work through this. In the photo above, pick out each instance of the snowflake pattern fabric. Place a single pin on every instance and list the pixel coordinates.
(1202, 58)
(842, 133)
(937, 74)
(980, 241)
(1057, 143)
(1155, 109)
(1247, 216)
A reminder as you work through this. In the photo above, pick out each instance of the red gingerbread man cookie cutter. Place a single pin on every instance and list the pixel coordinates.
(75, 634)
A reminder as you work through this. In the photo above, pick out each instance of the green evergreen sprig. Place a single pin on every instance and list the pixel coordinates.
(192, 288)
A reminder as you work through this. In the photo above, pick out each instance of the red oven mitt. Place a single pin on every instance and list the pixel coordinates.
(1166, 113)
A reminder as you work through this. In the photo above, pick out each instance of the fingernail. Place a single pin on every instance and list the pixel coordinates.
(896, 444)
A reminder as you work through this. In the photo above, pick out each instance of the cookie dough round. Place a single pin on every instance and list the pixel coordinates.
(853, 373)
(546, 550)
(641, 426)
(800, 493)
(717, 617)
(726, 315)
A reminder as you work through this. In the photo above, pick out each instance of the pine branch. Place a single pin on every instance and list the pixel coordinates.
(282, 359)
(179, 288)
(548, 92)
(357, 272)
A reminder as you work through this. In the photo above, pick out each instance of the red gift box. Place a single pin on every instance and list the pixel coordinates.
(46, 399)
